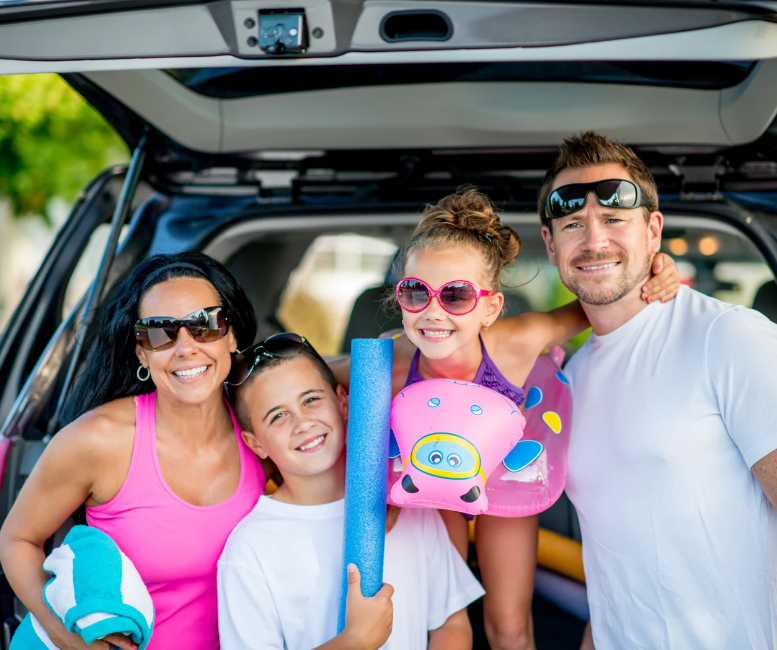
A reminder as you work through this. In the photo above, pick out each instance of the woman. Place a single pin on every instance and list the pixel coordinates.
(153, 451)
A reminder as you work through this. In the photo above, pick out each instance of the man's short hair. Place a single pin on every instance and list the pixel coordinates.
(590, 148)
(243, 412)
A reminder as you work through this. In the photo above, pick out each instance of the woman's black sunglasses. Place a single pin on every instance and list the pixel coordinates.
(611, 193)
(286, 344)
(161, 332)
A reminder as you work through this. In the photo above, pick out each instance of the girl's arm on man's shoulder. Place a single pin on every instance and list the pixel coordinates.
(541, 330)
(535, 331)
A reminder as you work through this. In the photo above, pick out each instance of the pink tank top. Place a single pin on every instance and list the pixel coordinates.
(175, 545)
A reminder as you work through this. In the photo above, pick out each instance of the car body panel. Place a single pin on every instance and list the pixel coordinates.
(216, 34)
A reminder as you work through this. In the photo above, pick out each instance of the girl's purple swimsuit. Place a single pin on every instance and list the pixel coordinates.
(488, 375)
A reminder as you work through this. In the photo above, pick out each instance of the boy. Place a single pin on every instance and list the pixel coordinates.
(279, 575)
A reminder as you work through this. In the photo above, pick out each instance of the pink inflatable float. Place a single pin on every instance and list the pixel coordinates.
(464, 447)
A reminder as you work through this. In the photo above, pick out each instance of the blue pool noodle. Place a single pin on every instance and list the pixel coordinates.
(366, 472)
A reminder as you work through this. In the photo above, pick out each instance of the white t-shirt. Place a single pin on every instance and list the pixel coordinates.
(679, 541)
(280, 572)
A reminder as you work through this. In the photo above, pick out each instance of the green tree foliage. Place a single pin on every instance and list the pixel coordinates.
(52, 142)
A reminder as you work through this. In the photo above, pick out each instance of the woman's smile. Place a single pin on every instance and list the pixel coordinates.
(188, 375)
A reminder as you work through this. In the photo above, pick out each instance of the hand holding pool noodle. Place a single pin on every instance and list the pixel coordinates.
(366, 466)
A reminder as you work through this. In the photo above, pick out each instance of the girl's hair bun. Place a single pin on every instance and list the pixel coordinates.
(467, 218)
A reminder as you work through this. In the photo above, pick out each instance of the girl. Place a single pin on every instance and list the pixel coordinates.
(452, 265)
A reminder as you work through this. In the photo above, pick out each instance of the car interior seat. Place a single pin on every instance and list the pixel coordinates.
(371, 316)
(262, 268)
(765, 300)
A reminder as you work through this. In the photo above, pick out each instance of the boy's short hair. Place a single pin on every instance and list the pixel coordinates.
(590, 148)
(243, 413)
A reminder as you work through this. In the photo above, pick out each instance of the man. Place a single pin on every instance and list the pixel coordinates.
(672, 461)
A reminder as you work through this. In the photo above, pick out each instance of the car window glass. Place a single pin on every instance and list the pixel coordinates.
(722, 265)
(321, 292)
(233, 83)
(86, 269)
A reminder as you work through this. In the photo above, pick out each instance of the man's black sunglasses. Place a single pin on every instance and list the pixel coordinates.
(611, 193)
(286, 344)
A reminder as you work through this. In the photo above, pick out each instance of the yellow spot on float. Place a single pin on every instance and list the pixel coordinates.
(552, 420)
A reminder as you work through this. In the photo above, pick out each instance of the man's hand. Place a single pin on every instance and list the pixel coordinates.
(368, 621)
(665, 282)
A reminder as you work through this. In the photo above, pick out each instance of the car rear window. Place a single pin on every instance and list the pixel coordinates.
(233, 83)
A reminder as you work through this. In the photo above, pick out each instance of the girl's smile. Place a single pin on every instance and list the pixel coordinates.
(438, 334)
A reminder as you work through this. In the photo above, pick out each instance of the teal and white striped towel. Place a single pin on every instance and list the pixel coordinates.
(95, 591)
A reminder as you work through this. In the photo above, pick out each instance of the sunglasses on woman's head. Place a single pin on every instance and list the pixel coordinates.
(457, 297)
(611, 193)
(161, 332)
(284, 345)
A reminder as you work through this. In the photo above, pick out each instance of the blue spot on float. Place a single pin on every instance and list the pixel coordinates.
(476, 410)
(533, 397)
(522, 455)
(393, 446)
(560, 376)
(435, 401)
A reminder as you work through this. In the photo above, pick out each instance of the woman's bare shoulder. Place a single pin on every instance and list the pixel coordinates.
(100, 433)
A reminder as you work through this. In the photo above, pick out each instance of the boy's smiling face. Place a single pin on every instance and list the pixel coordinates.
(298, 420)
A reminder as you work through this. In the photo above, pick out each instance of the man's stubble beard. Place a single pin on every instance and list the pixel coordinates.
(605, 294)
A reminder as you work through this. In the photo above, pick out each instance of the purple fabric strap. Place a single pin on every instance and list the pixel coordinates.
(488, 375)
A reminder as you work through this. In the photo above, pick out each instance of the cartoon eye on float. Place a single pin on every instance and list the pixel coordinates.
(461, 456)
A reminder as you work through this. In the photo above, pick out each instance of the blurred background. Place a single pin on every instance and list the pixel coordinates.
(52, 143)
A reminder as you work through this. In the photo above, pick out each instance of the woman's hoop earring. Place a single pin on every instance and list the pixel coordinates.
(148, 373)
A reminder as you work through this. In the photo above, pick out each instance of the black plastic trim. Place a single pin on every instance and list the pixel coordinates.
(37, 316)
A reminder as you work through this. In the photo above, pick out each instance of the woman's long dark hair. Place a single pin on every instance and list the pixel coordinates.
(110, 367)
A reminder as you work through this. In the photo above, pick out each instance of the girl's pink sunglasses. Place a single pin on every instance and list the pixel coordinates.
(458, 297)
